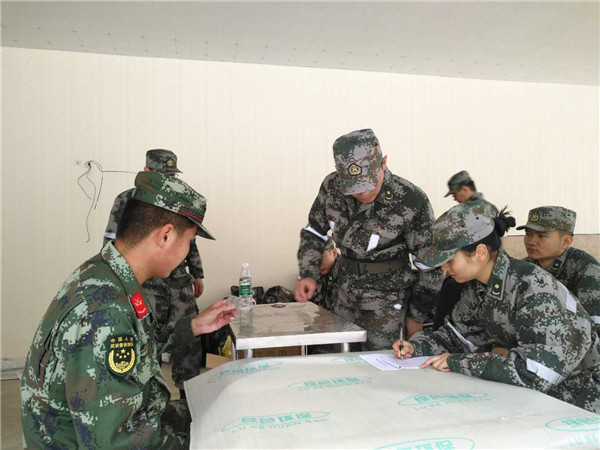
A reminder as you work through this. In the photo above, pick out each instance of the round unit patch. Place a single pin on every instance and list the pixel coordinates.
(354, 170)
(170, 163)
(534, 217)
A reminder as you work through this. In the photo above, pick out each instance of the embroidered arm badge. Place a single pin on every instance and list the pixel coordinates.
(120, 354)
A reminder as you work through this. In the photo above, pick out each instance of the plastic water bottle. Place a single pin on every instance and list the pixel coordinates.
(246, 287)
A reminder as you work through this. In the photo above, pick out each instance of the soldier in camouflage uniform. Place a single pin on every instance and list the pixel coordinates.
(92, 378)
(548, 236)
(170, 298)
(514, 322)
(377, 220)
(462, 188)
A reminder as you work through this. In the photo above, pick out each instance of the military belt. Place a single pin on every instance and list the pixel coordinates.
(372, 268)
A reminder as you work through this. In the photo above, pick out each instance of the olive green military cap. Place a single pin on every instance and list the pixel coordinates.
(460, 226)
(161, 160)
(550, 218)
(457, 180)
(174, 195)
(358, 159)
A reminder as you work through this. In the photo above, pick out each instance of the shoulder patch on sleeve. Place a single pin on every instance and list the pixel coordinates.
(121, 356)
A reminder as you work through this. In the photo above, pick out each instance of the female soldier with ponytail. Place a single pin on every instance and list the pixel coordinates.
(514, 322)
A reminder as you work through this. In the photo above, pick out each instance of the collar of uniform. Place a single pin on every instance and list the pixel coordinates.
(121, 268)
(558, 262)
(495, 285)
(385, 194)
(476, 196)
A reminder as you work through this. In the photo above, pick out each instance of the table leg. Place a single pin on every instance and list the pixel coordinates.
(234, 351)
(303, 349)
(249, 353)
(345, 347)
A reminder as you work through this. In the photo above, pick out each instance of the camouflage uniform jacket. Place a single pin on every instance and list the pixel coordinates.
(490, 208)
(580, 273)
(75, 392)
(397, 223)
(192, 260)
(523, 309)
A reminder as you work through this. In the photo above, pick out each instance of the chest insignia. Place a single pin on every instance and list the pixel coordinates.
(120, 354)
(496, 289)
(137, 301)
(388, 195)
(354, 170)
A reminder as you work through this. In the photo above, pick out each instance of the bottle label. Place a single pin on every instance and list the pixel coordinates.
(245, 290)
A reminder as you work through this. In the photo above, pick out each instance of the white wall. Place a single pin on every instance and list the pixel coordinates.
(256, 141)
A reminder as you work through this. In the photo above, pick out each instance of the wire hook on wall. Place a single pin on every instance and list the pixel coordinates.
(94, 194)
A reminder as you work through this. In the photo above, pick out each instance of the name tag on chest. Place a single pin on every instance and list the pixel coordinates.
(373, 241)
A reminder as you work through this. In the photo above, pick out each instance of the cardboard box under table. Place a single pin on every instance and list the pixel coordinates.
(289, 325)
(340, 401)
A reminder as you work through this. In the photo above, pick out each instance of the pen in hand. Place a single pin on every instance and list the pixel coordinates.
(398, 307)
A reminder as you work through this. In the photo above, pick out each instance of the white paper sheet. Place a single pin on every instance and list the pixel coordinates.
(387, 361)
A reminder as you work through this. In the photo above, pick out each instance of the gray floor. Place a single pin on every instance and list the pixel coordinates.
(10, 434)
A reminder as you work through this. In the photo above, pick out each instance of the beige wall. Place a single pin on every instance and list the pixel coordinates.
(256, 141)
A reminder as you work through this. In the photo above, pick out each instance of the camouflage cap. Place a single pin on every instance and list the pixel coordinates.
(358, 159)
(457, 180)
(550, 218)
(460, 226)
(174, 195)
(163, 161)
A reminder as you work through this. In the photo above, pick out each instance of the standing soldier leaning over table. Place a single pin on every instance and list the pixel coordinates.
(548, 238)
(377, 220)
(174, 297)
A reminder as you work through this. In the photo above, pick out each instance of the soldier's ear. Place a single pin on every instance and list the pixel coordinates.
(384, 162)
(482, 252)
(166, 233)
(567, 241)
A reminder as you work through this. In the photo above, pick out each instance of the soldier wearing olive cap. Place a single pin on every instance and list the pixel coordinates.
(514, 322)
(92, 378)
(377, 220)
(462, 188)
(173, 297)
(548, 239)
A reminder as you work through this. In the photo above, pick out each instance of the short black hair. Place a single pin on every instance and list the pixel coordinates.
(140, 218)
(563, 233)
(470, 185)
